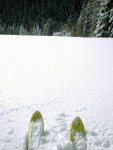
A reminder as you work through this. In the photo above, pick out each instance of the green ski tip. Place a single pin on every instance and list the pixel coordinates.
(76, 126)
(34, 119)
(35, 116)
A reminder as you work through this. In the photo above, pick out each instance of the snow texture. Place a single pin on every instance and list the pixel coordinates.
(62, 78)
(80, 142)
(35, 132)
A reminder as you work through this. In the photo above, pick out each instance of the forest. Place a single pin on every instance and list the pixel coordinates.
(43, 17)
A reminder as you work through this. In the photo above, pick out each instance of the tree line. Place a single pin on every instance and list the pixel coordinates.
(29, 12)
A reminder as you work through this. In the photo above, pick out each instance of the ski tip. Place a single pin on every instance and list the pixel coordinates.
(36, 115)
(76, 126)
(36, 119)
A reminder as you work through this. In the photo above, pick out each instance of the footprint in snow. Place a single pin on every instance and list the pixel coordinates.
(11, 131)
(59, 123)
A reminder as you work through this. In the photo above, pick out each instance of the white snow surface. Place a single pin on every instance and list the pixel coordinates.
(35, 132)
(62, 77)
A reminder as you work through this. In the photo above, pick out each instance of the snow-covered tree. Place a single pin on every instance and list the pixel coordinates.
(104, 26)
(36, 30)
(87, 20)
(22, 30)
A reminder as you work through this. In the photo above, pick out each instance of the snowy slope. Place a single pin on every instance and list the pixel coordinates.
(62, 78)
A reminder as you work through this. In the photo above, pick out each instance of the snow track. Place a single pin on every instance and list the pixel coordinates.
(73, 77)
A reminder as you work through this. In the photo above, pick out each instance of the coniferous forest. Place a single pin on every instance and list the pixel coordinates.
(86, 18)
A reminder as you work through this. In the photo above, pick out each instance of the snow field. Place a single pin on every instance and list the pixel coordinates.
(73, 77)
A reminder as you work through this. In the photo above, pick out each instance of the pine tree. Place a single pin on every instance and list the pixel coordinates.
(104, 27)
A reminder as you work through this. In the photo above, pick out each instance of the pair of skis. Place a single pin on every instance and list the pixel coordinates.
(36, 129)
